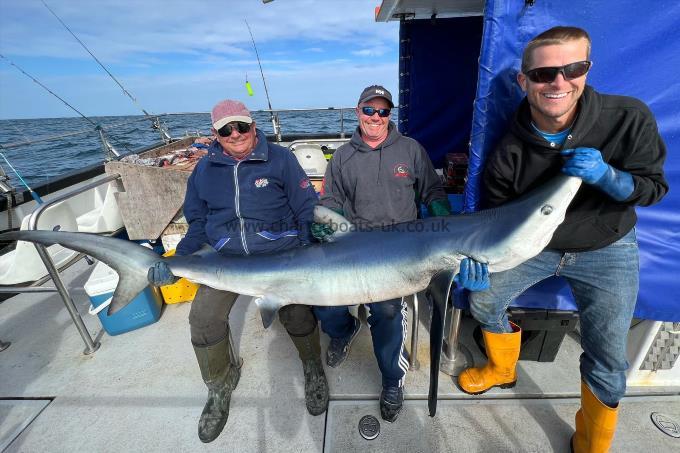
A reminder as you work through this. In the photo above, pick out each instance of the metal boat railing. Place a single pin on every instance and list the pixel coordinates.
(71, 134)
(163, 131)
(90, 345)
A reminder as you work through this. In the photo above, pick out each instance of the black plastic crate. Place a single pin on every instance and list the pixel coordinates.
(542, 331)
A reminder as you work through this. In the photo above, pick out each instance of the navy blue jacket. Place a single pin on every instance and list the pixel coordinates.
(261, 204)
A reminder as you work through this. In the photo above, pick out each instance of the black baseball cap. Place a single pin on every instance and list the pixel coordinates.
(375, 91)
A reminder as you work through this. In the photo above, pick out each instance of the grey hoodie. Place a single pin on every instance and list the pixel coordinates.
(378, 187)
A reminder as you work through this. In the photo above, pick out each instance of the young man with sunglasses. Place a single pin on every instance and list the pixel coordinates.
(613, 145)
(247, 196)
(376, 180)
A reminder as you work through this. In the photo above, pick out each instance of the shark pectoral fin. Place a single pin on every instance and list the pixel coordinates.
(268, 306)
(204, 251)
(438, 292)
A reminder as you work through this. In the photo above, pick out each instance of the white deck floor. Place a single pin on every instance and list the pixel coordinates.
(142, 391)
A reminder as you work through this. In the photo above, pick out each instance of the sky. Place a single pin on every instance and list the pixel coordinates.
(185, 55)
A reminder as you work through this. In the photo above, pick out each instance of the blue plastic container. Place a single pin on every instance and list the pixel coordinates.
(144, 309)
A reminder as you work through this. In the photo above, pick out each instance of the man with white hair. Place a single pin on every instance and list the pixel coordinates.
(247, 196)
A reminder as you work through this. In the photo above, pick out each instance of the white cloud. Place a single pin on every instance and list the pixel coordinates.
(373, 51)
(115, 29)
(183, 55)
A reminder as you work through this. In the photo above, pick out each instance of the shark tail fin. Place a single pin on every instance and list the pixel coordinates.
(131, 261)
(438, 292)
(340, 225)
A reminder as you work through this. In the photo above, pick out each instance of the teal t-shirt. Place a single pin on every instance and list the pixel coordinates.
(557, 138)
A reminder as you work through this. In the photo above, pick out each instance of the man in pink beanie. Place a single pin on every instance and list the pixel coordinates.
(245, 197)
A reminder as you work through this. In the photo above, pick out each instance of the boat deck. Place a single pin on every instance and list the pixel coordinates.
(142, 391)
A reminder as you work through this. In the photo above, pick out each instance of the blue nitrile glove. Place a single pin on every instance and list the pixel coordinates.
(473, 275)
(322, 231)
(587, 164)
(617, 184)
(160, 274)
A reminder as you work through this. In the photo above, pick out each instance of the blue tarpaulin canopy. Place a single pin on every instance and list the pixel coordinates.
(635, 53)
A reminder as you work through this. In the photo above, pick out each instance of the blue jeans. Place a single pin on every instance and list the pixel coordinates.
(388, 330)
(605, 286)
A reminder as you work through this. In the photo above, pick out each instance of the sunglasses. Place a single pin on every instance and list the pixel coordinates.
(569, 71)
(369, 111)
(227, 129)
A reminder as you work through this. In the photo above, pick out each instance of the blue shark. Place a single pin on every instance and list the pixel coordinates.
(358, 266)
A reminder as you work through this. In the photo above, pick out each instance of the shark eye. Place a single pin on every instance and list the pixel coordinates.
(546, 210)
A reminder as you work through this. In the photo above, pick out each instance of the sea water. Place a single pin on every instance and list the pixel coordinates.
(38, 162)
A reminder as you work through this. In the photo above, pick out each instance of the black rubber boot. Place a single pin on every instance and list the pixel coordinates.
(391, 401)
(338, 348)
(221, 378)
(316, 386)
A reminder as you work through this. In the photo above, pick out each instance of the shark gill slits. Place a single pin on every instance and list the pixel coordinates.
(546, 209)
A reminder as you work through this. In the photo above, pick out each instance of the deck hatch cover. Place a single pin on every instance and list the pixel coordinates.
(369, 427)
(666, 424)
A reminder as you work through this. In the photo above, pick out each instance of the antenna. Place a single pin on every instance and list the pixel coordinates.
(275, 120)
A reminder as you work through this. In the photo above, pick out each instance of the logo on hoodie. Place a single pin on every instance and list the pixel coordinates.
(401, 171)
(261, 182)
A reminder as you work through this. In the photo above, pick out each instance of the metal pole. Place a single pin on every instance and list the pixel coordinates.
(455, 356)
(414, 364)
(90, 346)
(107, 147)
(27, 289)
(342, 123)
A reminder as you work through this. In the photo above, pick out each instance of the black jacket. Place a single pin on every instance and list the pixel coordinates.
(625, 132)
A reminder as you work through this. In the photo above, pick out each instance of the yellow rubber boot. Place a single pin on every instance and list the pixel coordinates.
(595, 424)
(502, 349)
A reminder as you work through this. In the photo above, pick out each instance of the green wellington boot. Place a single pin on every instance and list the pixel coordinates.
(221, 377)
(316, 386)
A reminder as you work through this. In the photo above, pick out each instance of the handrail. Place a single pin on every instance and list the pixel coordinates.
(71, 134)
(340, 110)
(27, 289)
(90, 346)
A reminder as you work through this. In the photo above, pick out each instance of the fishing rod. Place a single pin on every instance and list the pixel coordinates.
(97, 127)
(156, 123)
(34, 195)
(49, 91)
(126, 92)
(274, 119)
